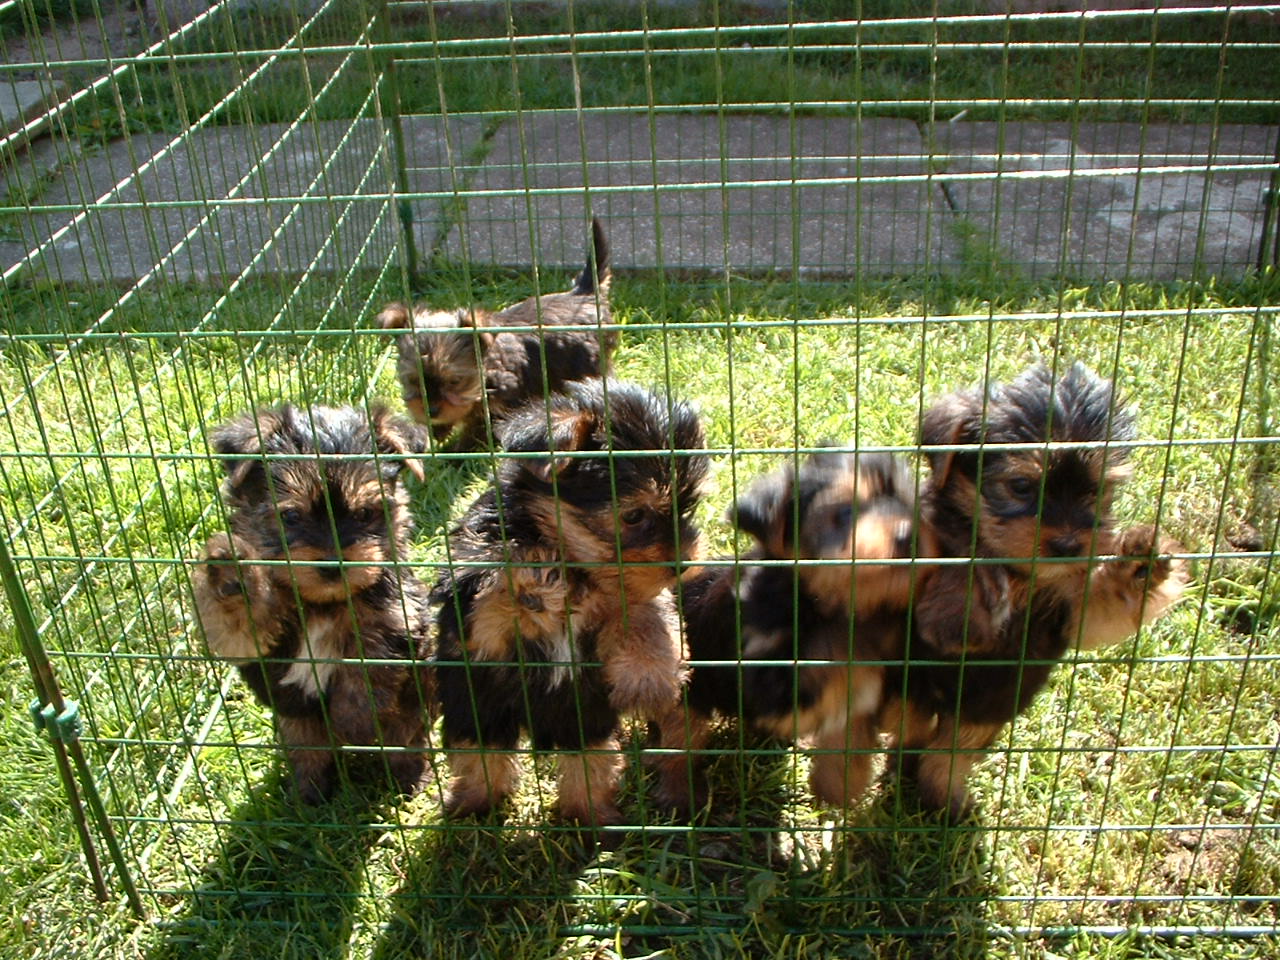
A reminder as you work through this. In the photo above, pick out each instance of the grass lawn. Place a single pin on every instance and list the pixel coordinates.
(1135, 803)
(1139, 791)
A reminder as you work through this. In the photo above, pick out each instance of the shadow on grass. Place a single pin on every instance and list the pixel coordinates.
(284, 880)
(484, 889)
(760, 872)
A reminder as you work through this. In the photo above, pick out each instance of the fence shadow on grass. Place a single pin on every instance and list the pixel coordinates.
(760, 869)
(478, 888)
(283, 881)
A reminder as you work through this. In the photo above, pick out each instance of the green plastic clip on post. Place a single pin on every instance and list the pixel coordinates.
(65, 726)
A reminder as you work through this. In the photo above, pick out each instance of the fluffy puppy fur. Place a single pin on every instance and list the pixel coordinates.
(450, 360)
(573, 624)
(334, 508)
(838, 506)
(1044, 516)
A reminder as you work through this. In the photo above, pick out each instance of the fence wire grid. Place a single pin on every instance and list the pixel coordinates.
(822, 218)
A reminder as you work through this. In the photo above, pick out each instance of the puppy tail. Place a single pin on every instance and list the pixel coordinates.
(595, 275)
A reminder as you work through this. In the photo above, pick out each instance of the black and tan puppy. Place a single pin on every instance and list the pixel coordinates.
(1037, 518)
(328, 503)
(573, 624)
(837, 507)
(455, 363)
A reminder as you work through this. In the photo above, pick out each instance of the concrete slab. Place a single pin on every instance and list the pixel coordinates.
(1093, 202)
(663, 189)
(287, 214)
(22, 100)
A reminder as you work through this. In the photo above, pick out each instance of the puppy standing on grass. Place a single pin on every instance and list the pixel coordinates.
(839, 506)
(451, 360)
(333, 508)
(1041, 515)
(573, 625)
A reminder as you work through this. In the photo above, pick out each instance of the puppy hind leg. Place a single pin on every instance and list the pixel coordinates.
(588, 787)
(685, 731)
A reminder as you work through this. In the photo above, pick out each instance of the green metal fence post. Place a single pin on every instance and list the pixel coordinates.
(404, 208)
(59, 717)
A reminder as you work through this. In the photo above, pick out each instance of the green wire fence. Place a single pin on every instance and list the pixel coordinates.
(823, 215)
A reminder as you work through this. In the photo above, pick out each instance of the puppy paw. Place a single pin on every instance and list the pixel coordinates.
(1136, 588)
(314, 776)
(220, 574)
(468, 800)
(677, 793)
(1145, 564)
(409, 771)
(1158, 580)
(233, 599)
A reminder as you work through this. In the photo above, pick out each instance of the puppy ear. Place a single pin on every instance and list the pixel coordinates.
(764, 512)
(568, 432)
(478, 320)
(400, 440)
(955, 419)
(395, 316)
(245, 435)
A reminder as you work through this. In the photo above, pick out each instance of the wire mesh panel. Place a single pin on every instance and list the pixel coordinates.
(848, 257)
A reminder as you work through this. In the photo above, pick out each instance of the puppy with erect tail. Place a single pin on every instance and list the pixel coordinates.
(456, 365)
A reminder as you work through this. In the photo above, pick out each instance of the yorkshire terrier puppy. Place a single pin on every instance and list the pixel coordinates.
(562, 620)
(454, 363)
(841, 507)
(988, 634)
(332, 507)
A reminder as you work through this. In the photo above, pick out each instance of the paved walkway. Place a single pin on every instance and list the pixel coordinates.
(700, 193)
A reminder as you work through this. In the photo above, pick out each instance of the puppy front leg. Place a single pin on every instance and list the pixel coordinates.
(372, 711)
(480, 779)
(311, 756)
(1125, 593)
(240, 611)
(909, 727)
(841, 769)
(643, 665)
(944, 767)
(588, 787)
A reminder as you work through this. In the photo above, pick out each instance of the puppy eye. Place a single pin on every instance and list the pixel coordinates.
(291, 518)
(841, 516)
(633, 516)
(1023, 488)
(366, 515)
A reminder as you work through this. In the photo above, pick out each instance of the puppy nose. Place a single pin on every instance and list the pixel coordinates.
(433, 408)
(531, 601)
(902, 539)
(1066, 546)
(331, 574)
